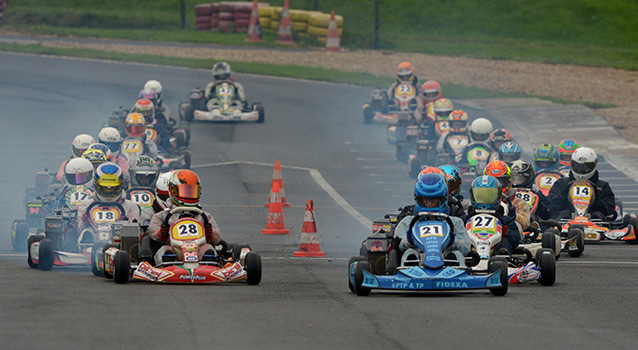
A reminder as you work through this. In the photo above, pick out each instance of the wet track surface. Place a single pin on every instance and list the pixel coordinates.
(312, 128)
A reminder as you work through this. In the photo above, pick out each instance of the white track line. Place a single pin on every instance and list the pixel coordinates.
(316, 175)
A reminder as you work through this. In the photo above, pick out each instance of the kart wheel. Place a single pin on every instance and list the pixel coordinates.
(358, 278)
(122, 267)
(253, 268)
(108, 275)
(631, 220)
(180, 137)
(377, 263)
(496, 264)
(46, 255)
(21, 232)
(260, 110)
(237, 250)
(401, 152)
(350, 262)
(577, 232)
(363, 250)
(187, 129)
(547, 265)
(187, 159)
(548, 240)
(95, 259)
(32, 239)
(414, 167)
(186, 112)
(393, 262)
(368, 114)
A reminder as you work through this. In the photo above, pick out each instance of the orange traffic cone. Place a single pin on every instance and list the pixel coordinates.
(309, 245)
(276, 178)
(275, 224)
(284, 35)
(332, 41)
(254, 28)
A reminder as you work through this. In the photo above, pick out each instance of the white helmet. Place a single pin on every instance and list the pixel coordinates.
(110, 137)
(156, 87)
(584, 162)
(81, 143)
(221, 71)
(162, 195)
(480, 129)
(78, 171)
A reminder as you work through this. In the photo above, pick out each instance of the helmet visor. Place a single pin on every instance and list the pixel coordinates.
(79, 151)
(583, 168)
(135, 130)
(543, 164)
(518, 179)
(79, 178)
(108, 189)
(429, 202)
(566, 157)
(458, 124)
(443, 114)
(430, 94)
(146, 180)
(221, 76)
(509, 157)
(113, 146)
(485, 195)
(186, 192)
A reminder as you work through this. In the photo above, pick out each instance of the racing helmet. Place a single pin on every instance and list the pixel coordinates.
(458, 120)
(431, 90)
(431, 194)
(485, 193)
(546, 157)
(109, 181)
(155, 87)
(584, 162)
(480, 129)
(78, 171)
(405, 70)
(501, 171)
(146, 108)
(453, 178)
(143, 172)
(431, 170)
(442, 108)
(81, 143)
(509, 152)
(95, 156)
(184, 188)
(111, 138)
(149, 95)
(135, 125)
(104, 148)
(498, 137)
(565, 149)
(162, 195)
(221, 71)
(523, 174)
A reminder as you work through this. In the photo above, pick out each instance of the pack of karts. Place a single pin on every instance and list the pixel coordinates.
(223, 107)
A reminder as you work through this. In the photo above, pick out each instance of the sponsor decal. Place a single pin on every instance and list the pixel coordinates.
(192, 278)
(34, 210)
(450, 284)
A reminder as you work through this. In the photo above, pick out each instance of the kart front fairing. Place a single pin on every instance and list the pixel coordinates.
(228, 115)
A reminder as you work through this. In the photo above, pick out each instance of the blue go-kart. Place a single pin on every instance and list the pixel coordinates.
(425, 268)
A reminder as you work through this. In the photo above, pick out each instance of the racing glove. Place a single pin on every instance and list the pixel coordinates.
(163, 232)
(208, 231)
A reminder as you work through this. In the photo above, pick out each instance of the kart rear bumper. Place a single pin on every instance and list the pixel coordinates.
(218, 116)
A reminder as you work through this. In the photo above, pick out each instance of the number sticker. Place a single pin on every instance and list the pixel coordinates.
(187, 229)
(143, 198)
(530, 198)
(405, 89)
(483, 226)
(478, 154)
(132, 146)
(431, 230)
(76, 195)
(151, 133)
(105, 216)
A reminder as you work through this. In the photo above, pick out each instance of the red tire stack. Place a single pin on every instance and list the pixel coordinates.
(203, 16)
(242, 16)
(214, 17)
(226, 16)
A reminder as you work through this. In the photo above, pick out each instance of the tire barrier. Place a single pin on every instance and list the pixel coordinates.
(227, 16)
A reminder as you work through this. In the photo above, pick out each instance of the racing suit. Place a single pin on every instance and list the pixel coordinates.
(461, 243)
(603, 208)
(414, 80)
(209, 90)
(442, 145)
(131, 209)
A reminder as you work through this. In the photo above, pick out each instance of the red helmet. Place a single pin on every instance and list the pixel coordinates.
(431, 170)
(145, 107)
(431, 90)
(184, 188)
(498, 137)
(500, 170)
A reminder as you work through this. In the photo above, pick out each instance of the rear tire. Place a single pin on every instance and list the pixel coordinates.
(46, 255)
(32, 239)
(547, 265)
(577, 232)
(21, 234)
(496, 264)
(95, 260)
(368, 114)
(350, 262)
(261, 112)
(358, 278)
(186, 112)
(122, 267)
(631, 220)
(237, 250)
(548, 240)
(253, 268)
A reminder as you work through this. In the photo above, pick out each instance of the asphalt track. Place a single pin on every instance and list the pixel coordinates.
(328, 155)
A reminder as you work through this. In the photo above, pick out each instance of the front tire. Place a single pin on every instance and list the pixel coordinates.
(499, 264)
(122, 267)
(548, 240)
(576, 232)
(547, 265)
(46, 255)
(21, 233)
(350, 262)
(32, 239)
(186, 112)
(358, 278)
(261, 112)
(107, 274)
(253, 268)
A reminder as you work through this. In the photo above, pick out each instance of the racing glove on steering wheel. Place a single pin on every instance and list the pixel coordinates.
(208, 231)
(163, 232)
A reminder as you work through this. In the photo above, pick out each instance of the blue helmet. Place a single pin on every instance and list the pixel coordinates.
(431, 194)
(509, 152)
(485, 192)
(453, 178)
(546, 157)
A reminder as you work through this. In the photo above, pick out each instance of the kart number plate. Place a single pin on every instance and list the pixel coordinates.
(76, 195)
(483, 225)
(546, 181)
(187, 229)
(530, 198)
(404, 90)
(431, 231)
(151, 133)
(478, 154)
(142, 198)
(105, 216)
(132, 146)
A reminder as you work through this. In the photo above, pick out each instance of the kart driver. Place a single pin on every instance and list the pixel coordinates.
(146, 108)
(80, 144)
(162, 198)
(184, 190)
(583, 167)
(514, 207)
(405, 73)
(221, 73)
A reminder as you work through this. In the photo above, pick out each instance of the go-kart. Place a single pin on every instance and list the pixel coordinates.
(224, 107)
(399, 114)
(527, 263)
(425, 268)
(179, 134)
(185, 262)
(181, 159)
(581, 195)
